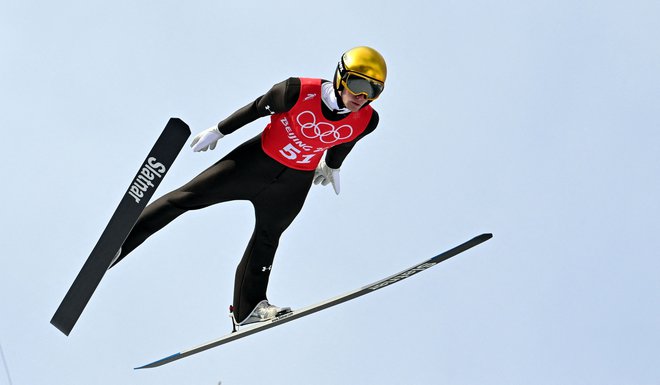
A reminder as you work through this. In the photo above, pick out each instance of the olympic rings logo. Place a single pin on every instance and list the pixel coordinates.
(326, 132)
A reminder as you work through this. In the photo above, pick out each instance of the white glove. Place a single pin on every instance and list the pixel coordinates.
(324, 175)
(206, 140)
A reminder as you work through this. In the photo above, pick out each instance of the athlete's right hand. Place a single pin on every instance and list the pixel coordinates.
(206, 140)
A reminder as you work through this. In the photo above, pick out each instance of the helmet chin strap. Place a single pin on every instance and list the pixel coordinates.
(332, 98)
(340, 102)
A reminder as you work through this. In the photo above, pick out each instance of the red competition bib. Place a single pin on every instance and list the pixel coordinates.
(299, 137)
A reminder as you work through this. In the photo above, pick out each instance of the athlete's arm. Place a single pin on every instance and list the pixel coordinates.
(280, 98)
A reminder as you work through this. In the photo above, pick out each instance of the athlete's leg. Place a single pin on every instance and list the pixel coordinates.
(236, 176)
(275, 209)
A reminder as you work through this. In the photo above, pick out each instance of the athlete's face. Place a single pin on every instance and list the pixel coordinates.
(352, 102)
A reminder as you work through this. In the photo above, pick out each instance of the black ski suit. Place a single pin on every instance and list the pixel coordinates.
(277, 193)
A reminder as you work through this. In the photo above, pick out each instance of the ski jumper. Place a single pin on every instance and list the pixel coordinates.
(273, 170)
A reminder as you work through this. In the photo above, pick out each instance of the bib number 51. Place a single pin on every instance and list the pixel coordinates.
(292, 153)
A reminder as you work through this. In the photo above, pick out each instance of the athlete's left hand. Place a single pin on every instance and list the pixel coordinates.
(324, 175)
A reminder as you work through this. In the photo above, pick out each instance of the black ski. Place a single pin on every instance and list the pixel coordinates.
(325, 304)
(141, 189)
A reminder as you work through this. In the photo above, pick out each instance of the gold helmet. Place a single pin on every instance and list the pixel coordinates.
(362, 71)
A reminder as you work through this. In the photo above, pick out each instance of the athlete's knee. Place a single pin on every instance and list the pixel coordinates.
(268, 236)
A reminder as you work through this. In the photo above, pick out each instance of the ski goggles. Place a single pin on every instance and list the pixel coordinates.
(360, 85)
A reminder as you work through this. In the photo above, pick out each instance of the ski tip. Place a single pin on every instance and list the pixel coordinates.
(480, 238)
(177, 121)
(160, 362)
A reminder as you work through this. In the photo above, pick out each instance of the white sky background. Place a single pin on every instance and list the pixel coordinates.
(534, 120)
